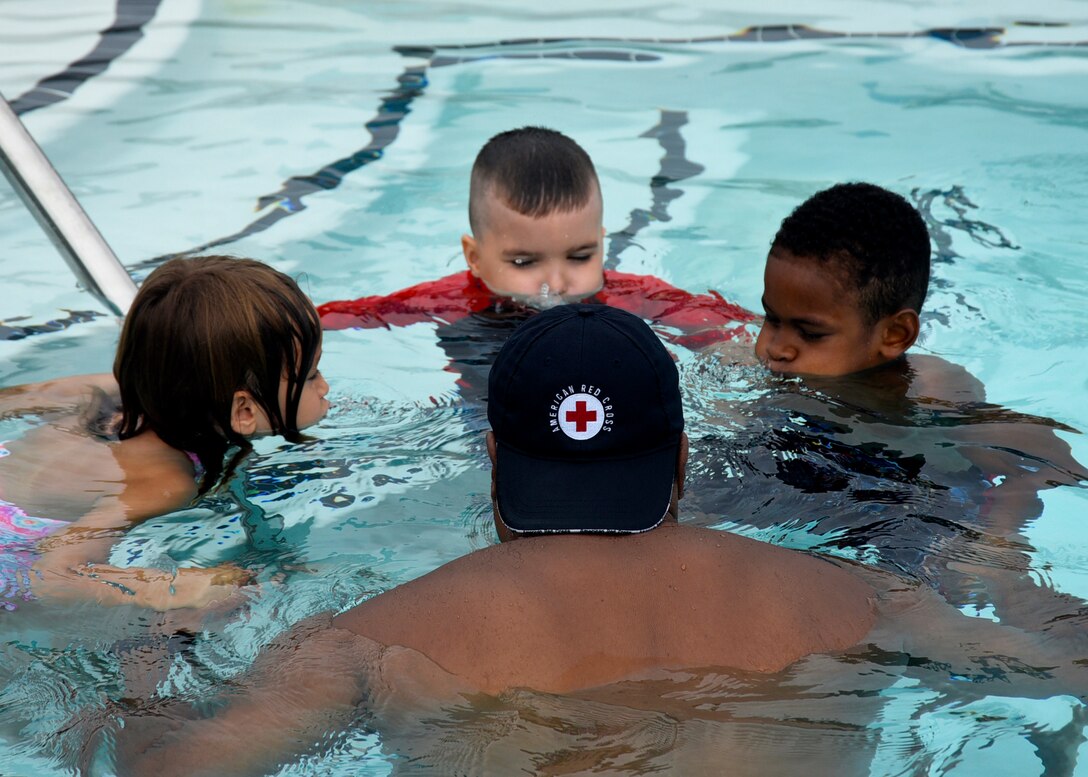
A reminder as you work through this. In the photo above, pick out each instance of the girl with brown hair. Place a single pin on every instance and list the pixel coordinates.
(215, 350)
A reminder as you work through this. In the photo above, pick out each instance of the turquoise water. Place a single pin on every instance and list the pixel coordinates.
(221, 103)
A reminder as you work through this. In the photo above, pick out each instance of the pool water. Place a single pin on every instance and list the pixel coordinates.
(334, 141)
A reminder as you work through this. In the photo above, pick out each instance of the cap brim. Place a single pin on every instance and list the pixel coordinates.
(616, 495)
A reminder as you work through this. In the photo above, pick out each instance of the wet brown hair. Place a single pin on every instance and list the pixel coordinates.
(534, 171)
(198, 331)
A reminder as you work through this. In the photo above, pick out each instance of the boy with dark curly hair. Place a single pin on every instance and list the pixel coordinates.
(845, 281)
(877, 451)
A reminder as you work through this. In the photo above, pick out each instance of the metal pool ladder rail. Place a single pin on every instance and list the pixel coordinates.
(58, 212)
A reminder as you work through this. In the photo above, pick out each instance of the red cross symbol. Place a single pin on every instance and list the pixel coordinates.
(581, 416)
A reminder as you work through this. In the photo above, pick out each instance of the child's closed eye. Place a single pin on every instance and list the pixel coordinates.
(810, 336)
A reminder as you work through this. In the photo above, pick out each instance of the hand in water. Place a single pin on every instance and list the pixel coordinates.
(194, 587)
(155, 589)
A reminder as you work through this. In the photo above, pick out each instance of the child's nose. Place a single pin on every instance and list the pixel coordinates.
(557, 281)
(778, 347)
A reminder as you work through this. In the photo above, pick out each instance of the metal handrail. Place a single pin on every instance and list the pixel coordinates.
(58, 212)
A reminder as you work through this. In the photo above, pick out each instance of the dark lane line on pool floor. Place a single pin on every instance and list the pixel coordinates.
(675, 167)
(383, 128)
(128, 27)
(10, 329)
(940, 230)
(132, 15)
(964, 37)
(413, 81)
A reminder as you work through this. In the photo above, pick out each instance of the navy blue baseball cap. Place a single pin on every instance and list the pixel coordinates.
(584, 402)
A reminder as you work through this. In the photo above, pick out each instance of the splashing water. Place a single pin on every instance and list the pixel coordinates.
(545, 300)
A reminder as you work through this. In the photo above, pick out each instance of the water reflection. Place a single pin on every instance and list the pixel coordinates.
(873, 467)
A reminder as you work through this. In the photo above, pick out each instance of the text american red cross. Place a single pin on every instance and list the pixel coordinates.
(581, 416)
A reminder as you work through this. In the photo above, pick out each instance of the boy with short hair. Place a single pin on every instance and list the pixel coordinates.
(535, 212)
(894, 456)
(844, 283)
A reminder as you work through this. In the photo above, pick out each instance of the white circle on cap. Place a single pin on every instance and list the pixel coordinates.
(581, 416)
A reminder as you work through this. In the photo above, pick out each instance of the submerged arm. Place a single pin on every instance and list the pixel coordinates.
(979, 655)
(1019, 459)
(72, 563)
(704, 319)
(303, 688)
(446, 299)
(53, 395)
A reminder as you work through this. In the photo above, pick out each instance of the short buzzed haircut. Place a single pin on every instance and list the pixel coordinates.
(532, 170)
(872, 238)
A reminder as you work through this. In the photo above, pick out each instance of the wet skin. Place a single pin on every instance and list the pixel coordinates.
(515, 255)
(815, 326)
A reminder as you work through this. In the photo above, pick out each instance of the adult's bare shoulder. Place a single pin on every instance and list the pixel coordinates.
(571, 611)
(401, 615)
(790, 603)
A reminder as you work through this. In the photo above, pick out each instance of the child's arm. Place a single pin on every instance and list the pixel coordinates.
(703, 318)
(1019, 458)
(446, 299)
(1019, 455)
(62, 394)
(73, 562)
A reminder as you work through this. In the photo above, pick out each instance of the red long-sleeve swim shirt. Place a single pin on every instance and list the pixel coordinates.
(702, 319)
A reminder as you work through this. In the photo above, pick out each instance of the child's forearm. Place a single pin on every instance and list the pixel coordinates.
(73, 564)
(702, 319)
(35, 399)
(154, 589)
(52, 395)
(444, 300)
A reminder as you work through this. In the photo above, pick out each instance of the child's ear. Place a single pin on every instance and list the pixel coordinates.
(472, 254)
(900, 330)
(245, 414)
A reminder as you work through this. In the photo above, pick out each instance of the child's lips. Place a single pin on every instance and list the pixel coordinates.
(775, 365)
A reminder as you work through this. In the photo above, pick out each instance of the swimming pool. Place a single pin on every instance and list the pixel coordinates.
(352, 129)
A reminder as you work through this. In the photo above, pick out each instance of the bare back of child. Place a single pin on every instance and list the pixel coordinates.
(214, 351)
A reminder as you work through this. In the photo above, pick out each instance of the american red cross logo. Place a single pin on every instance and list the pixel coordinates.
(580, 416)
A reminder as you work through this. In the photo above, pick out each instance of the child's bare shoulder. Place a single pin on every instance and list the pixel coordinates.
(158, 478)
(934, 379)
